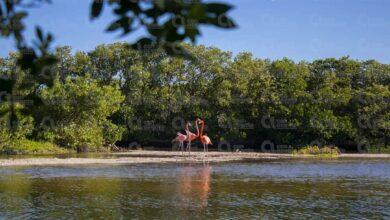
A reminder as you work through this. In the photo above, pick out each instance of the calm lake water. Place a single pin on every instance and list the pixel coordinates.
(299, 189)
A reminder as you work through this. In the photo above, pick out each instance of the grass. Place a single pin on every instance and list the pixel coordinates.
(379, 150)
(31, 147)
(323, 152)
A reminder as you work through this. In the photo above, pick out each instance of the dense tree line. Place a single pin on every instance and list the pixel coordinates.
(114, 94)
(166, 24)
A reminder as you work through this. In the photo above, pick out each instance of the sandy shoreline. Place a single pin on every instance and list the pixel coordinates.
(138, 157)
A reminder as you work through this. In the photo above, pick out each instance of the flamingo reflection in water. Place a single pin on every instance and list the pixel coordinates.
(194, 186)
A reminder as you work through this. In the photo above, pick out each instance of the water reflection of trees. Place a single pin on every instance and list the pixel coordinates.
(60, 198)
(194, 187)
(14, 194)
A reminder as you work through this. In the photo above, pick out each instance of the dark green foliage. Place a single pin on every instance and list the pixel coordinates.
(34, 67)
(78, 110)
(168, 22)
(114, 93)
(36, 61)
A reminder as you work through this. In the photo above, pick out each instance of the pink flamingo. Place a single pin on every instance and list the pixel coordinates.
(204, 138)
(191, 136)
(180, 138)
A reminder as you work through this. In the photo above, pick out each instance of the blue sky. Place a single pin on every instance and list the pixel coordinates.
(297, 29)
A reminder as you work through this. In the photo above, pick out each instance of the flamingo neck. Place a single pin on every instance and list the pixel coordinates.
(187, 129)
(201, 129)
(197, 129)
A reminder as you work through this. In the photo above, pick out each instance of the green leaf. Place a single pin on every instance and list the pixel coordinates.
(96, 8)
(173, 36)
(114, 26)
(160, 4)
(197, 11)
(153, 12)
(49, 38)
(223, 21)
(155, 30)
(39, 33)
(192, 32)
(218, 8)
(19, 15)
(124, 23)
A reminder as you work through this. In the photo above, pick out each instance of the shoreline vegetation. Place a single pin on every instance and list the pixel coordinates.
(323, 152)
(148, 156)
(113, 95)
(27, 148)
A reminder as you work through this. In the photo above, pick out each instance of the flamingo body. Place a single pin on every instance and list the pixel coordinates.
(191, 136)
(180, 138)
(205, 140)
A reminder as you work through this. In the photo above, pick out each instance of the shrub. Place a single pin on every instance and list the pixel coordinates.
(318, 151)
(87, 137)
(80, 108)
(379, 150)
(112, 133)
(31, 147)
(20, 130)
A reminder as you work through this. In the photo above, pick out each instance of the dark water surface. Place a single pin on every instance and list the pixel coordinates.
(299, 189)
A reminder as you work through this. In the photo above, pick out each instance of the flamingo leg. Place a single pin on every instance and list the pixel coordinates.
(189, 147)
